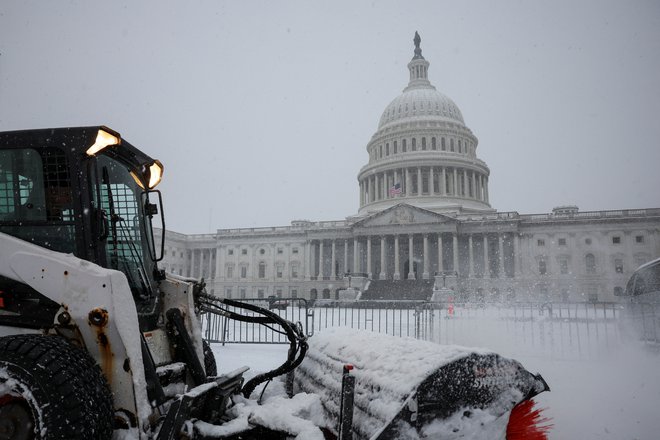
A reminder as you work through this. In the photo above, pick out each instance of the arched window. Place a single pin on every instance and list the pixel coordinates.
(414, 144)
(451, 144)
(394, 148)
(403, 146)
(387, 149)
(262, 270)
(442, 144)
(433, 145)
(380, 147)
(543, 268)
(590, 263)
(423, 143)
(460, 146)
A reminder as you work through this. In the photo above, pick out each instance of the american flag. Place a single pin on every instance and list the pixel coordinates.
(395, 189)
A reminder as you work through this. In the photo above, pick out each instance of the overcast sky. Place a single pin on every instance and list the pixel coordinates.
(261, 111)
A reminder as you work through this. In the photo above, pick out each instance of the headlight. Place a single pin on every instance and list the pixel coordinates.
(104, 139)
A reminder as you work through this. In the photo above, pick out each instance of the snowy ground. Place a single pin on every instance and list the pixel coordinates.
(614, 398)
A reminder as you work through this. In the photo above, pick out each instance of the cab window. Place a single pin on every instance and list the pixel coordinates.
(36, 202)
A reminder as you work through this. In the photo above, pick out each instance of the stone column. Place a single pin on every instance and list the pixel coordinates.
(308, 260)
(465, 184)
(474, 185)
(383, 263)
(369, 271)
(273, 251)
(486, 189)
(360, 184)
(397, 272)
(455, 182)
(320, 276)
(367, 184)
(411, 273)
(479, 192)
(443, 182)
(516, 244)
(500, 244)
(471, 257)
(362, 192)
(431, 183)
(408, 185)
(419, 181)
(379, 187)
(425, 275)
(386, 185)
(356, 262)
(345, 256)
(455, 242)
(441, 265)
(220, 263)
(486, 262)
(383, 190)
(333, 273)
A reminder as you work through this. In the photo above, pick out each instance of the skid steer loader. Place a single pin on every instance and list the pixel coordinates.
(97, 342)
(95, 339)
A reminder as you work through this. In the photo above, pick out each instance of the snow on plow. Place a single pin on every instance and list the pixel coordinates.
(411, 389)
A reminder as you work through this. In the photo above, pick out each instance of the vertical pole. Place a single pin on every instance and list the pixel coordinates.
(346, 408)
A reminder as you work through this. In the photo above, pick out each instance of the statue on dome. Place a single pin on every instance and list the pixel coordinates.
(418, 50)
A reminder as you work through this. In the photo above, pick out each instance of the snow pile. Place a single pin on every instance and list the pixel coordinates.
(298, 416)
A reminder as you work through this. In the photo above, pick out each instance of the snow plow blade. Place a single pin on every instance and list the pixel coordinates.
(410, 389)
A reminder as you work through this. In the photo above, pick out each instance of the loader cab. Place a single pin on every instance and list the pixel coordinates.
(87, 192)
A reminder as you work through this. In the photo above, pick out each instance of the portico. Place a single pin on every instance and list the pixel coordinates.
(406, 242)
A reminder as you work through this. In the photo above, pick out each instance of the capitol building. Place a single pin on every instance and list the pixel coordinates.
(424, 220)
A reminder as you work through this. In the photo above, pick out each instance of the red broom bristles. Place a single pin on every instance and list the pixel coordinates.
(526, 423)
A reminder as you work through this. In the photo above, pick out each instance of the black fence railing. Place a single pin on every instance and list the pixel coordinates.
(219, 328)
(556, 330)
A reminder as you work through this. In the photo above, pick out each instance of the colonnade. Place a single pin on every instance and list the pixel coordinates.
(433, 181)
(203, 263)
(437, 253)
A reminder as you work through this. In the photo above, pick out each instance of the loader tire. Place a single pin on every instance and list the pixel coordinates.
(51, 389)
(209, 360)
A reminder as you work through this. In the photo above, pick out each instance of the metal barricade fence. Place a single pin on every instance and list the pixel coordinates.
(555, 330)
(551, 330)
(219, 328)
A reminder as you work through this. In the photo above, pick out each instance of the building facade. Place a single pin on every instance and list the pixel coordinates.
(424, 214)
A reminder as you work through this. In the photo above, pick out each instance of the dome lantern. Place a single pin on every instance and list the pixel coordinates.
(418, 68)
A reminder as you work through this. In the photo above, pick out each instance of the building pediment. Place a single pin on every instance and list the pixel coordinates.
(403, 214)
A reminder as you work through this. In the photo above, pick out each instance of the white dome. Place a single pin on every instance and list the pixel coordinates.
(423, 154)
(421, 102)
